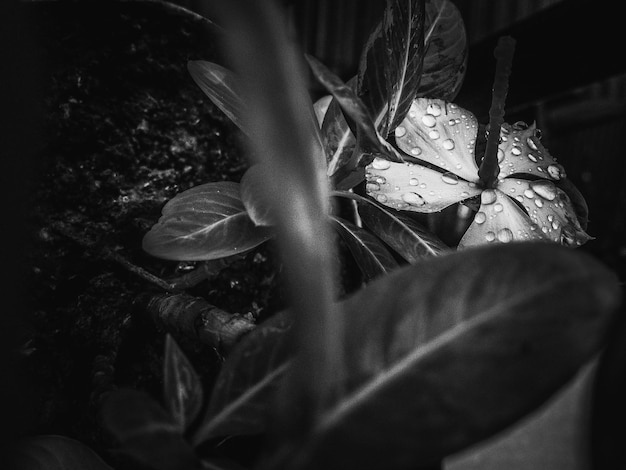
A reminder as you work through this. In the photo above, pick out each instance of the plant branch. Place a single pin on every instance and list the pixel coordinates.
(489, 168)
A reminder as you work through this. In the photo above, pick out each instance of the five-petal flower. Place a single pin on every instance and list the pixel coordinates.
(439, 140)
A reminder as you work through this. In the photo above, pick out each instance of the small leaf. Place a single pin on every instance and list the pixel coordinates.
(412, 241)
(50, 452)
(448, 352)
(221, 86)
(182, 389)
(246, 384)
(370, 254)
(391, 63)
(321, 108)
(147, 432)
(258, 192)
(445, 43)
(203, 223)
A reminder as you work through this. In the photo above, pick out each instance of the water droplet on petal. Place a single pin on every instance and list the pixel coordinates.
(414, 199)
(539, 202)
(451, 122)
(434, 109)
(505, 235)
(556, 171)
(450, 178)
(498, 207)
(423, 185)
(488, 196)
(519, 198)
(529, 193)
(413, 182)
(545, 189)
(400, 131)
(520, 126)
(532, 158)
(448, 144)
(381, 198)
(490, 236)
(433, 135)
(416, 151)
(480, 218)
(500, 155)
(428, 120)
(369, 187)
(516, 151)
(381, 164)
(531, 143)
(555, 224)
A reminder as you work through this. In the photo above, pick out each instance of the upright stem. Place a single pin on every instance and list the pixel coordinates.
(489, 168)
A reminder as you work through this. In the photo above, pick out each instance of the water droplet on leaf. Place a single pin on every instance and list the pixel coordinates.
(414, 199)
(450, 178)
(381, 164)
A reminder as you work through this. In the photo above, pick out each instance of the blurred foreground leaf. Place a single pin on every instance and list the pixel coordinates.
(52, 452)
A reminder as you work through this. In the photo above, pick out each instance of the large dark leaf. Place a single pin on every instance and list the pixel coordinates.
(182, 389)
(406, 236)
(369, 252)
(411, 240)
(147, 432)
(221, 85)
(203, 223)
(445, 45)
(391, 63)
(52, 452)
(448, 352)
(245, 387)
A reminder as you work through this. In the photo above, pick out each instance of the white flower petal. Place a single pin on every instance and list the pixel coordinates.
(412, 187)
(440, 133)
(499, 220)
(521, 151)
(549, 207)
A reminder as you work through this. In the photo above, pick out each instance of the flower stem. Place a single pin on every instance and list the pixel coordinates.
(489, 168)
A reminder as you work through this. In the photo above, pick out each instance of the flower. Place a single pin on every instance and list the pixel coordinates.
(439, 140)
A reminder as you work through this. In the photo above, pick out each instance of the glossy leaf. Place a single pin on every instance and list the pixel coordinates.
(337, 137)
(445, 46)
(406, 236)
(449, 352)
(370, 254)
(368, 137)
(391, 63)
(51, 452)
(182, 389)
(147, 432)
(221, 86)
(245, 387)
(203, 223)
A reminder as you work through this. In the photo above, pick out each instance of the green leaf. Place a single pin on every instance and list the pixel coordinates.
(147, 432)
(449, 352)
(391, 63)
(368, 138)
(51, 452)
(203, 223)
(245, 387)
(370, 254)
(406, 236)
(182, 389)
(221, 86)
(445, 43)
